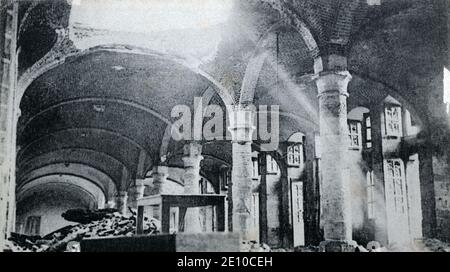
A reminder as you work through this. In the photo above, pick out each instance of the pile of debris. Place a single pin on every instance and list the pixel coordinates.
(309, 248)
(433, 245)
(102, 223)
(253, 246)
(84, 216)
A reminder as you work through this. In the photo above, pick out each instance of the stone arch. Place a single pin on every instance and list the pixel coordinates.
(137, 106)
(259, 56)
(421, 117)
(82, 170)
(35, 182)
(356, 113)
(296, 137)
(300, 124)
(64, 50)
(58, 133)
(59, 156)
(207, 96)
(342, 28)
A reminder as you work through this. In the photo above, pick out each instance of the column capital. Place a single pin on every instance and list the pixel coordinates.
(139, 182)
(110, 204)
(159, 176)
(192, 149)
(333, 81)
(192, 155)
(121, 202)
(192, 162)
(137, 192)
(122, 194)
(241, 123)
(160, 171)
(139, 187)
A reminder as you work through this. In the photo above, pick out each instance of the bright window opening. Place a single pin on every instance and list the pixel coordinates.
(295, 154)
(272, 166)
(354, 133)
(186, 28)
(143, 16)
(368, 130)
(370, 195)
(373, 2)
(447, 89)
(393, 120)
(255, 168)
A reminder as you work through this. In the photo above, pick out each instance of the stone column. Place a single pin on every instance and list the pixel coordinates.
(336, 198)
(110, 204)
(159, 176)
(192, 158)
(241, 128)
(8, 78)
(138, 192)
(12, 176)
(121, 202)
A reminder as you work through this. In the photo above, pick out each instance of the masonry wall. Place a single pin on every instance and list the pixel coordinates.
(414, 196)
(441, 171)
(50, 214)
(3, 183)
(273, 209)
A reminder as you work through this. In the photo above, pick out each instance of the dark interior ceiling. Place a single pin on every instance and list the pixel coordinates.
(89, 158)
(104, 109)
(404, 48)
(114, 104)
(57, 190)
(36, 33)
(145, 80)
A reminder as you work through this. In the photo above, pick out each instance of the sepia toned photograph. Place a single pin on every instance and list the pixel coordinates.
(225, 126)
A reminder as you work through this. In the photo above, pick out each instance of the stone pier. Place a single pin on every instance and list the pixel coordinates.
(241, 128)
(159, 175)
(8, 116)
(335, 191)
(121, 202)
(138, 192)
(191, 177)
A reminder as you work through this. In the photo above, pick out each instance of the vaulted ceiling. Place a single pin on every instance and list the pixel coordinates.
(107, 111)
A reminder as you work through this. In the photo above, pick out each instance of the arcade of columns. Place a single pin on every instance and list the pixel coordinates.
(335, 192)
(332, 94)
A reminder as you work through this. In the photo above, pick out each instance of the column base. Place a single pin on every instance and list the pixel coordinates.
(337, 246)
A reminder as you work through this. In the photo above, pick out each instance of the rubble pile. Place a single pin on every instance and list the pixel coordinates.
(253, 246)
(110, 224)
(436, 245)
(84, 216)
(309, 248)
